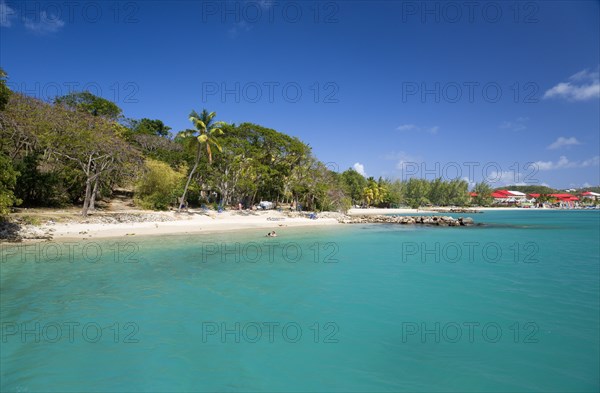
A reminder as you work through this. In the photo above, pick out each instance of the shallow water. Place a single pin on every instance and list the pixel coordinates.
(509, 306)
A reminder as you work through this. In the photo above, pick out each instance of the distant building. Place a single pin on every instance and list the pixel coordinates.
(565, 200)
(509, 196)
(590, 195)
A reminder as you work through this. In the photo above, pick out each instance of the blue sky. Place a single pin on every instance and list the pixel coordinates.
(502, 91)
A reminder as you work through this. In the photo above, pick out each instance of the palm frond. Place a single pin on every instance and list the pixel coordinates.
(217, 145)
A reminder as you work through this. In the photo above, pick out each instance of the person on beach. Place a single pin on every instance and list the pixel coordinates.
(271, 234)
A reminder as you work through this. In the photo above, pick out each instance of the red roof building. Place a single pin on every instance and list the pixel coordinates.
(501, 194)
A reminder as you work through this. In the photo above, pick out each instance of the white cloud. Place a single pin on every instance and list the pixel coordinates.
(415, 128)
(562, 142)
(586, 75)
(407, 127)
(517, 125)
(360, 168)
(586, 185)
(403, 160)
(470, 182)
(507, 178)
(564, 163)
(584, 85)
(266, 4)
(239, 27)
(512, 178)
(44, 24)
(594, 161)
(6, 15)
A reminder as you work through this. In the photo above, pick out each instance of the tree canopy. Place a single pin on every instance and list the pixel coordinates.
(77, 149)
(88, 102)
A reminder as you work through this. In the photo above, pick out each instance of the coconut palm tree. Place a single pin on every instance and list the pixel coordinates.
(205, 134)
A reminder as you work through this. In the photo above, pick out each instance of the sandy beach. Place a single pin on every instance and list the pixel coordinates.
(132, 222)
(187, 223)
(205, 222)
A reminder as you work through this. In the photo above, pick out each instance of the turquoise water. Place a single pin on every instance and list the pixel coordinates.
(511, 306)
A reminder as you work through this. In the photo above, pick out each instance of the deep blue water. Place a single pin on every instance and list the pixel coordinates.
(511, 306)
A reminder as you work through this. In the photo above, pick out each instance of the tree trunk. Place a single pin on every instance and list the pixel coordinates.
(187, 184)
(86, 201)
(93, 196)
(252, 198)
(225, 198)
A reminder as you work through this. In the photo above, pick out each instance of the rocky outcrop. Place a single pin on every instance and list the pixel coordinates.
(117, 218)
(410, 220)
(17, 232)
(456, 210)
(18, 229)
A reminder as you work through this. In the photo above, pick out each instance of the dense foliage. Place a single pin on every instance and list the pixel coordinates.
(158, 185)
(79, 148)
(87, 102)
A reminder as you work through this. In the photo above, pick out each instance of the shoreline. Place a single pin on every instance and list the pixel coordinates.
(104, 226)
(434, 210)
(130, 223)
(191, 227)
(376, 211)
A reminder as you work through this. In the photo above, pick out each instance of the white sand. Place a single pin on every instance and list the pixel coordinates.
(360, 212)
(195, 223)
(214, 222)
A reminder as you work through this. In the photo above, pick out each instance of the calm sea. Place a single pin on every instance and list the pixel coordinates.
(510, 306)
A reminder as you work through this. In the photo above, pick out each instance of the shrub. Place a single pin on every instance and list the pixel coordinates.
(8, 180)
(159, 185)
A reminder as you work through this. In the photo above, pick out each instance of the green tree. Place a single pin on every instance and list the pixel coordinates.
(438, 192)
(484, 194)
(458, 192)
(375, 192)
(205, 134)
(149, 127)
(159, 148)
(42, 182)
(544, 198)
(93, 143)
(8, 180)
(88, 102)
(416, 193)
(159, 185)
(4, 90)
(354, 184)
(395, 193)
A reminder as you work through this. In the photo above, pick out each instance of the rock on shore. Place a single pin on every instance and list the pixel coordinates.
(410, 220)
(18, 229)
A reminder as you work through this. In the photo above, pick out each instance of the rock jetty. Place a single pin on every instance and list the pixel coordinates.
(456, 210)
(410, 220)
